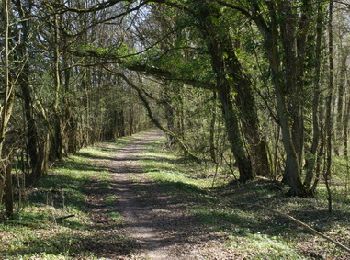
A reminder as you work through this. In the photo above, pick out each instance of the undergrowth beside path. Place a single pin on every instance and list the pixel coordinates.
(137, 186)
(247, 231)
(37, 231)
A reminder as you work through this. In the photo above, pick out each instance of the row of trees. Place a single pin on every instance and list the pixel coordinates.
(284, 57)
(53, 103)
(263, 82)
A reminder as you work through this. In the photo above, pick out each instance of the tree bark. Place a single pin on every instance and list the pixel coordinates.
(169, 112)
(8, 190)
(6, 112)
(223, 59)
(212, 149)
(329, 99)
(33, 140)
(288, 117)
(311, 158)
(341, 101)
(57, 124)
(346, 127)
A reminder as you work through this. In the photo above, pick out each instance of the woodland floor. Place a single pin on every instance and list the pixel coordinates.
(134, 200)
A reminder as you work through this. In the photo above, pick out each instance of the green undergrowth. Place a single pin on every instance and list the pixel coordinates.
(252, 231)
(37, 232)
(167, 167)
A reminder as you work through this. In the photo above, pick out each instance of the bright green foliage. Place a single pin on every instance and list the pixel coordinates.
(34, 233)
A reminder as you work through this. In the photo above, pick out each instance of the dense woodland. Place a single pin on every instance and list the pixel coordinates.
(258, 89)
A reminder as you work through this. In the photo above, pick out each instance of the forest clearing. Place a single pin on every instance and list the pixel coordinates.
(174, 129)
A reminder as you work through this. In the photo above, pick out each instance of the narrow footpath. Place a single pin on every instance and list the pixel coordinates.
(158, 223)
(138, 220)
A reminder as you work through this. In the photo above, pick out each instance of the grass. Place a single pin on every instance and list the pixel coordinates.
(164, 166)
(259, 246)
(111, 200)
(115, 216)
(34, 233)
(252, 232)
(249, 231)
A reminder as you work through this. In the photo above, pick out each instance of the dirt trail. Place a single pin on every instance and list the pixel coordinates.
(158, 222)
(124, 167)
(164, 220)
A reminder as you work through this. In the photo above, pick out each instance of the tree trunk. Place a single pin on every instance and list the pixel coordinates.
(57, 124)
(212, 150)
(6, 112)
(233, 132)
(121, 124)
(311, 158)
(8, 190)
(33, 141)
(222, 58)
(131, 119)
(169, 114)
(346, 127)
(292, 169)
(246, 104)
(290, 138)
(329, 99)
(244, 99)
(340, 106)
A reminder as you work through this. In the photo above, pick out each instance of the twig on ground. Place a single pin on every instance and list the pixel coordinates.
(60, 219)
(302, 224)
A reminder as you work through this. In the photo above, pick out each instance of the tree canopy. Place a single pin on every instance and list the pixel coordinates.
(259, 88)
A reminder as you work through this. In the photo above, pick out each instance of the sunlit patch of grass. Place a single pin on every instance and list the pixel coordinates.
(179, 179)
(224, 216)
(167, 167)
(111, 200)
(262, 246)
(177, 183)
(45, 256)
(252, 231)
(26, 239)
(242, 228)
(37, 232)
(115, 216)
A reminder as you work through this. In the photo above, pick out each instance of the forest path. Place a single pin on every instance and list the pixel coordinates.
(137, 219)
(167, 214)
(156, 215)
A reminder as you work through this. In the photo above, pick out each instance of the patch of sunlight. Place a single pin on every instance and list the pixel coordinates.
(178, 177)
(111, 200)
(34, 232)
(220, 216)
(262, 246)
(115, 216)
